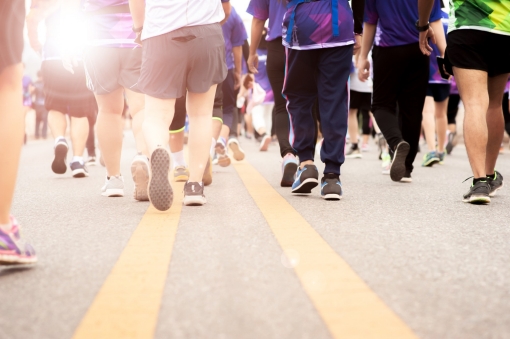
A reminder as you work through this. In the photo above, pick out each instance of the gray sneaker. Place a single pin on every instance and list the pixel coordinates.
(113, 187)
(161, 194)
(140, 174)
(354, 153)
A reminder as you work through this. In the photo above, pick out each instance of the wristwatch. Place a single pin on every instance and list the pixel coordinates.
(422, 28)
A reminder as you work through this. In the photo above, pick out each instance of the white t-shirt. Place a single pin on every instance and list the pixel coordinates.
(163, 16)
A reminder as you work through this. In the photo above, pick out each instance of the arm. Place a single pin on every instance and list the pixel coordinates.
(227, 8)
(137, 8)
(238, 58)
(437, 27)
(39, 10)
(358, 10)
(424, 10)
(367, 42)
(257, 26)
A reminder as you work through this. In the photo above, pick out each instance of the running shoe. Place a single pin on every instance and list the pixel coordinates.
(398, 166)
(306, 179)
(161, 194)
(478, 193)
(441, 156)
(382, 145)
(223, 158)
(264, 144)
(79, 169)
(407, 177)
(495, 184)
(194, 194)
(13, 250)
(289, 169)
(181, 174)
(331, 187)
(365, 148)
(113, 187)
(59, 165)
(91, 161)
(238, 152)
(353, 153)
(207, 178)
(451, 142)
(140, 175)
(430, 159)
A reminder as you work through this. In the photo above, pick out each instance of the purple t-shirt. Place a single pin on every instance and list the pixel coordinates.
(234, 34)
(313, 25)
(274, 10)
(109, 30)
(435, 75)
(395, 20)
(261, 77)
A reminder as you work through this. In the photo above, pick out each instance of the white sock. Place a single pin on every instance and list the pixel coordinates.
(80, 159)
(178, 159)
(57, 139)
(212, 150)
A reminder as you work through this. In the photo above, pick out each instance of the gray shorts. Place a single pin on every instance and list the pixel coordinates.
(188, 59)
(109, 68)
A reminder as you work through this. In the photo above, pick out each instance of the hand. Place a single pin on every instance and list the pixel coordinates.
(138, 39)
(424, 41)
(237, 80)
(69, 62)
(253, 63)
(248, 81)
(363, 69)
(357, 44)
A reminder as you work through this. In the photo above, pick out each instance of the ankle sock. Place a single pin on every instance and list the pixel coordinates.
(80, 159)
(475, 180)
(178, 159)
(57, 139)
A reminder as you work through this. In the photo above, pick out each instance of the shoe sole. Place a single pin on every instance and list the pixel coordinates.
(478, 200)
(406, 180)
(59, 163)
(207, 178)
(140, 175)
(181, 178)
(289, 172)
(331, 196)
(7, 259)
(398, 166)
(160, 192)
(224, 161)
(194, 201)
(219, 149)
(265, 145)
(238, 153)
(306, 186)
(431, 163)
(449, 148)
(80, 173)
(354, 156)
(113, 193)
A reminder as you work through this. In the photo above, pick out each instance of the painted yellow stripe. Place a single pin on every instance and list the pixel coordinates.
(128, 303)
(349, 308)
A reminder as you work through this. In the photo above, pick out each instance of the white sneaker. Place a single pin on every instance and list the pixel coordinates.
(264, 144)
(233, 144)
(113, 187)
(140, 174)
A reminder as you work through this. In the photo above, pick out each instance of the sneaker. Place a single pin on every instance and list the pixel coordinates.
(382, 145)
(59, 165)
(79, 169)
(407, 177)
(495, 184)
(193, 194)
(441, 156)
(181, 174)
(207, 178)
(161, 194)
(365, 148)
(233, 144)
(13, 250)
(478, 193)
(353, 153)
(91, 161)
(113, 187)
(306, 179)
(398, 166)
(430, 159)
(289, 169)
(264, 144)
(331, 187)
(451, 142)
(223, 159)
(140, 175)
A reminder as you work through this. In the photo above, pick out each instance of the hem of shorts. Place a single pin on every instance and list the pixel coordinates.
(173, 30)
(480, 28)
(319, 46)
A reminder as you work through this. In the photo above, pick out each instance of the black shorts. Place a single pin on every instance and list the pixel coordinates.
(65, 92)
(360, 100)
(475, 49)
(440, 92)
(12, 20)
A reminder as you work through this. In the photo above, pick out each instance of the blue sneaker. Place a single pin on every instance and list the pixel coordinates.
(331, 187)
(430, 159)
(306, 179)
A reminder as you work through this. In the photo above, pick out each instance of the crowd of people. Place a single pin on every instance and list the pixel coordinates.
(312, 73)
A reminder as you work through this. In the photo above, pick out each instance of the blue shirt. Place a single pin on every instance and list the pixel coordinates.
(395, 20)
(274, 10)
(234, 34)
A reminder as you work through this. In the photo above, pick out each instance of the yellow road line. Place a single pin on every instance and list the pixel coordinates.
(128, 303)
(349, 308)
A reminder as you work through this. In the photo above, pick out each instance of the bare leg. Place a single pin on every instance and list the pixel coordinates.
(177, 141)
(136, 102)
(79, 135)
(216, 128)
(353, 127)
(110, 125)
(472, 86)
(58, 123)
(12, 129)
(495, 120)
(159, 114)
(199, 110)
(429, 124)
(441, 109)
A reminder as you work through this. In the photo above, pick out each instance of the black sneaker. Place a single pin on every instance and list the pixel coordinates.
(478, 193)
(59, 162)
(306, 179)
(450, 145)
(79, 169)
(331, 187)
(398, 166)
(495, 184)
(194, 194)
